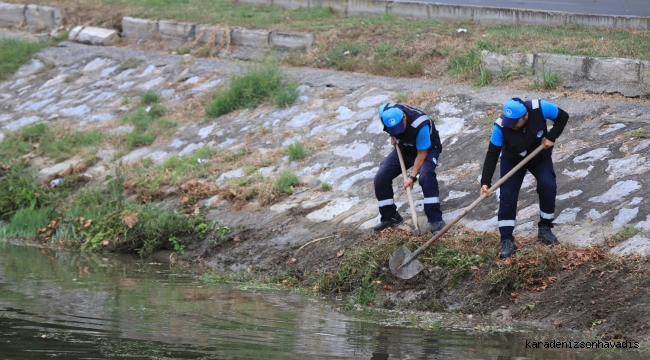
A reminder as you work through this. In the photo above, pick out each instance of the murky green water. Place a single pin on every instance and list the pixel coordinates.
(78, 306)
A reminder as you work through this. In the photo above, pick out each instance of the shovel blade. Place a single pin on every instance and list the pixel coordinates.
(398, 258)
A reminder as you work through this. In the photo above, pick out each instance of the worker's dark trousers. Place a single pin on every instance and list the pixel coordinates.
(390, 169)
(544, 174)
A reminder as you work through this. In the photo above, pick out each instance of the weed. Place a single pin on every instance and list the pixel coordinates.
(640, 133)
(260, 83)
(549, 80)
(325, 186)
(627, 232)
(341, 56)
(297, 151)
(286, 182)
(150, 97)
(469, 67)
(19, 190)
(26, 222)
(14, 52)
(402, 97)
(178, 245)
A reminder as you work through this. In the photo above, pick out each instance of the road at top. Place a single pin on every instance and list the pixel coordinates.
(599, 7)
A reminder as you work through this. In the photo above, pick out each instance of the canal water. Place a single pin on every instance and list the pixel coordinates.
(66, 305)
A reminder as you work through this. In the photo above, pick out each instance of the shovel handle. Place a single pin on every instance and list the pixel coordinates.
(472, 205)
(408, 190)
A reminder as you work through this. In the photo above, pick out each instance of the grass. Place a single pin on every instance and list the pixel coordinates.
(150, 97)
(14, 53)
(56, 142)
(297, 151)
(148, 123)
(468, 257)
(259, 83)
(286, 182)
(625, 233)
(547, 81)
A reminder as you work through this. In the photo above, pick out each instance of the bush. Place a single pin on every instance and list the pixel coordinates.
(258, 84)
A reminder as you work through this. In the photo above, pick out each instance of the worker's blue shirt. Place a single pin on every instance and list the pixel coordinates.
(549, 110)
(423, 140)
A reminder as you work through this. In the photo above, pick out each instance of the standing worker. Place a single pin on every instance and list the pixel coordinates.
(416, 135)
(518, 132)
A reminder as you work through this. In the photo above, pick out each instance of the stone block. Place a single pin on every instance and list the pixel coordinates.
(93, 35)
(246, 37)
(495, 15)
(212, 35)
(444, 12)
(290, 4)
(287, 41)
(170, 29)
(613, 70)
(139, 28)
(569, 67)
(592, 21)
(497, 63)
(12, 15)
(257, 2)
(632, 22)
(367, 7)
(415, 10)
(39, 17)
(547, 18)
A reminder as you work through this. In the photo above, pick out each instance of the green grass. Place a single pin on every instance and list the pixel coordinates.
(547, 80)
(150, 97)
(297, 151)
(627, 232)
(261, 82)
(148, 124)
(286, 181)
(14, 53)
(26, 222)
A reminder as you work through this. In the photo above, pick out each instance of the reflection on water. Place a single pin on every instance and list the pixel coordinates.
(79, 306)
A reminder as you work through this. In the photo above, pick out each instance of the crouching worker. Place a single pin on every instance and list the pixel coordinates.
(416, 135)
(518, 132)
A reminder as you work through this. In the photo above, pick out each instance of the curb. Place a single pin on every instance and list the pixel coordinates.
(33, 17)
(215, 35)
(629, 77)
(446, 12)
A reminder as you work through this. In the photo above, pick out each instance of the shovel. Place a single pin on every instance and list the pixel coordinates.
(404, 265)
(408, 191)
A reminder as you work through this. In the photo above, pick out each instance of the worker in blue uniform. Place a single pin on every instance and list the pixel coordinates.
(416, 135)
(518, 132)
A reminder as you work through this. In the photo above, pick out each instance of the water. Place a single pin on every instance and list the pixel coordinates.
(79, 306)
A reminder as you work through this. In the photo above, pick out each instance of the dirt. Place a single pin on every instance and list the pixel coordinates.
(601, 295)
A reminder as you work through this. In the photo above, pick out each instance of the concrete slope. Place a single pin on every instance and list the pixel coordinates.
(601, 159)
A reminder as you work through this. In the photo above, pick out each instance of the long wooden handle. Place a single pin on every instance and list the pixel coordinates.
(408, 190)
(473, 205)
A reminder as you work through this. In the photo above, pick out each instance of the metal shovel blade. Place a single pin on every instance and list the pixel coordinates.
(397, 259)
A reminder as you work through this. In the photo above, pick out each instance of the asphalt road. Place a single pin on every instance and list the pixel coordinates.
(600, 7)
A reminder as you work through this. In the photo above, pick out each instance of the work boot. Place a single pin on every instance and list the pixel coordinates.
(508, 247)
(394, 221)
(545, 235)
(437, 226)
